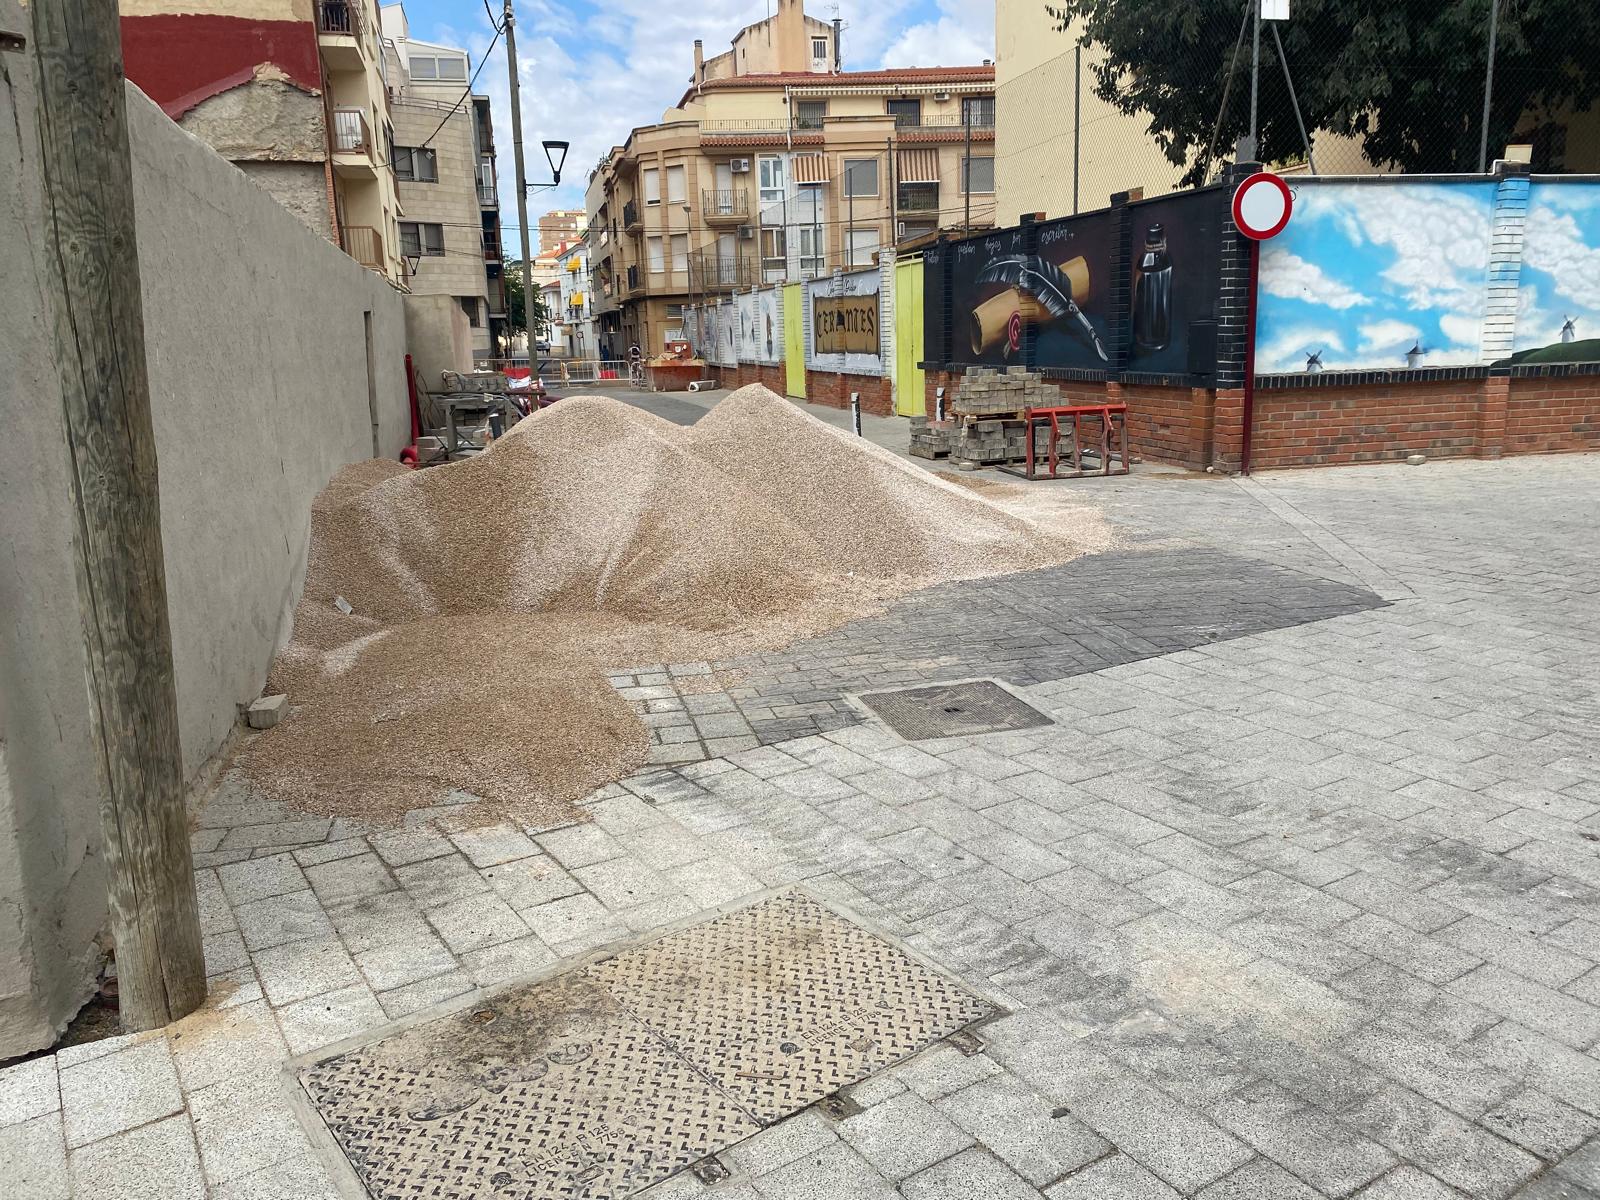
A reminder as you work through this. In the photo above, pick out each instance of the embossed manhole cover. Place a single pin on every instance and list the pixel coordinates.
(953, 710)
(616, 1075)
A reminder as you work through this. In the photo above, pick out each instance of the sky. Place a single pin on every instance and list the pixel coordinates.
(591, 72)
(1560, 264)
(1365, 272)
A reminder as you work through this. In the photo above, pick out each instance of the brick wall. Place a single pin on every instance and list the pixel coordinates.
(1553, 414)
(833, 390)
(1366, 423)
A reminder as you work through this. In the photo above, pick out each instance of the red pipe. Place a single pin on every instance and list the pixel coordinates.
(409, 455)
(1250, 359)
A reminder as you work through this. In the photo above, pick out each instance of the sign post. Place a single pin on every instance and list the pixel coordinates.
(1262, 205)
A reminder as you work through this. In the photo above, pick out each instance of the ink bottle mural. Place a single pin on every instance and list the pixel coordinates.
(1152, 301)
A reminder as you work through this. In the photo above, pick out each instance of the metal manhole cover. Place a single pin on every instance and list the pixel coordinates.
(612, 1077)
(953, 710)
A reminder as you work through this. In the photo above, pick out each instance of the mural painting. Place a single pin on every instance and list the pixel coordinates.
(998, 289)
(1377, 276)
(1559, 309)
(1177, 259)
(845, 324)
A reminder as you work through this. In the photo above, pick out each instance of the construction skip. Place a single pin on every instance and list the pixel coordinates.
(458, 623)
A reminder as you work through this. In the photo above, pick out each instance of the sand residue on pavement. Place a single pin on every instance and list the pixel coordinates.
(491, 596)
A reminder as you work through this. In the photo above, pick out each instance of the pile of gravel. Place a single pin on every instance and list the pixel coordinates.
(489, 597)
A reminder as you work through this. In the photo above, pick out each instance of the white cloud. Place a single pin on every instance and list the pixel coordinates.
(963, 35)
(1288, 351)
(1464, 332)
(1387, 338)
(1292, 277)
(1557, 246)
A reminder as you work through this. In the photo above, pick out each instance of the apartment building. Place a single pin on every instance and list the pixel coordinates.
(444, 166)
(558, 227)
(775, 165)
(574, 318)
(293, 92)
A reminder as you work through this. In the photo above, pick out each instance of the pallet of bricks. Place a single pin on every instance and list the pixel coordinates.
(988, 426)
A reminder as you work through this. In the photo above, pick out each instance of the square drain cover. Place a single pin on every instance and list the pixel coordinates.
(953, 710)
(618, 1074)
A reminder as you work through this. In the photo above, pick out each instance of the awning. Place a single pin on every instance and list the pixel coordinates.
(811, 168)
(919, 166)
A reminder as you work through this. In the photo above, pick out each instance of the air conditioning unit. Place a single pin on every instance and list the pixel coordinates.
(943, 97)
(740, 166)
(747, 233)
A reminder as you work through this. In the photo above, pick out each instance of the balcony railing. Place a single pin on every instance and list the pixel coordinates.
(710, 270)
(980, 121)
(362, 243)
(350, 133)
(725, 204)
(491, 244)
(777, 124)
(918, 200)
(487, 195)
(635, 281)
(339, 17)
(630, 216)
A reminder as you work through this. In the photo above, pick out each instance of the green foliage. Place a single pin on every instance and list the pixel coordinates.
(1404, 76)
(514, 314)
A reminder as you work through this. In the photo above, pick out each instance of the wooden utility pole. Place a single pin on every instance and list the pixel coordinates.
(93, 281)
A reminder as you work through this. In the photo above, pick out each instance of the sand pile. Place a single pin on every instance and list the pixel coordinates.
(489, 596)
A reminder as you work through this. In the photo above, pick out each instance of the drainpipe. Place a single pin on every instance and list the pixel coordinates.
(838, 56)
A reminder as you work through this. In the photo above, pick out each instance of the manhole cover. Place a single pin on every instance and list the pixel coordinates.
(605, 1080)
(953, 710)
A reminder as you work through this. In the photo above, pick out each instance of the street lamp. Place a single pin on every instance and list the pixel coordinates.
(555, 154)
(413, 261)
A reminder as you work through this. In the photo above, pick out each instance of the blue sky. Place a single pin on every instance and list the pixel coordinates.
(591, 72)
(1366, 271)
(1560, 264)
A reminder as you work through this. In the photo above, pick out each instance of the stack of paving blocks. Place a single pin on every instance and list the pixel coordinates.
(988, 409)
(930, 439)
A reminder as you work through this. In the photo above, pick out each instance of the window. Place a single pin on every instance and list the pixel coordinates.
(906, 112)
(809, 114)
(650, 184)
(812, 246)
(452, 68)
(770, 170)
(428, 67)
(675, 313)
(860, 177)
(978, 110)
(657, 255)
(423, 67)
(416, 164)
(977, 174)
(421, 237)
(680, 252)
(774, 252)
(819, 49)
(863, 245)
(469, 305)
(677, 185)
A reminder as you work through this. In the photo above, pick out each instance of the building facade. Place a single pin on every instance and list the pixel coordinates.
(775, 166)
(294, 93)
(558, 227)
(574, 318)
(445, 177)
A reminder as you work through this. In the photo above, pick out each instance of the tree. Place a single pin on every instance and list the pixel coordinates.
(541, 311)
(1404, 76)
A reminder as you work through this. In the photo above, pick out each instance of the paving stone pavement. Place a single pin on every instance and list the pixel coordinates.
(1311, 911)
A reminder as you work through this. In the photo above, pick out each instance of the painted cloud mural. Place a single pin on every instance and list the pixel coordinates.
(1377, 275)
(1558, 316)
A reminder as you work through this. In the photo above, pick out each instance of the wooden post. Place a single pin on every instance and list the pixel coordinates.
(122, 594)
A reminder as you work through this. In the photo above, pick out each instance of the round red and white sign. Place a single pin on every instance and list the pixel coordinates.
(1261, 206)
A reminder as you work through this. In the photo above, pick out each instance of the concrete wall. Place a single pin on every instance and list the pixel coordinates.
(260, 391)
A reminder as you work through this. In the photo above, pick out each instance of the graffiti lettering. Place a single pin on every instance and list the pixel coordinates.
(845, 324)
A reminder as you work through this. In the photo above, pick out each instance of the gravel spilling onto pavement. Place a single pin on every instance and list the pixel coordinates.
(490, 596)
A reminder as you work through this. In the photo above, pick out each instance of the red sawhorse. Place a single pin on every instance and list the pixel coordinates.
(1111, 442)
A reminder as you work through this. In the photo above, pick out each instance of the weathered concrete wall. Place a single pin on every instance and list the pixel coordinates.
(438, 337)
(302, 188)
(258, 360)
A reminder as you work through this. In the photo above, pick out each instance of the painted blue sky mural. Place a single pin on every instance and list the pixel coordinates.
(1366, 273)
(1560, 265)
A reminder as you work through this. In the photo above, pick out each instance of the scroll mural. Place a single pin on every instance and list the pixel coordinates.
(1377, 277)
(1559, 317)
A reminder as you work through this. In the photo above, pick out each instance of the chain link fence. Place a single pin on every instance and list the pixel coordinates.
(1351, 86)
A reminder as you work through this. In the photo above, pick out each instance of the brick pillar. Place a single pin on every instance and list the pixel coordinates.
(1233, 307)
(1496, 397)
(1505, 262)
(1202, 419)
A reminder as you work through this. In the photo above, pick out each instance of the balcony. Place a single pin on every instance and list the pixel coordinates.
(725, 206)
(353, 156)
(362, 243)
(340, 33)
(491, 245)
(631, 221)
(947, 127)
(759, 131)
(487, 196)
(635, 286)
(914, 198)
(712, 271)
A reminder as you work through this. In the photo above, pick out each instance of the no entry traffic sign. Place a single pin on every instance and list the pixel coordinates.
(1261, 206)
